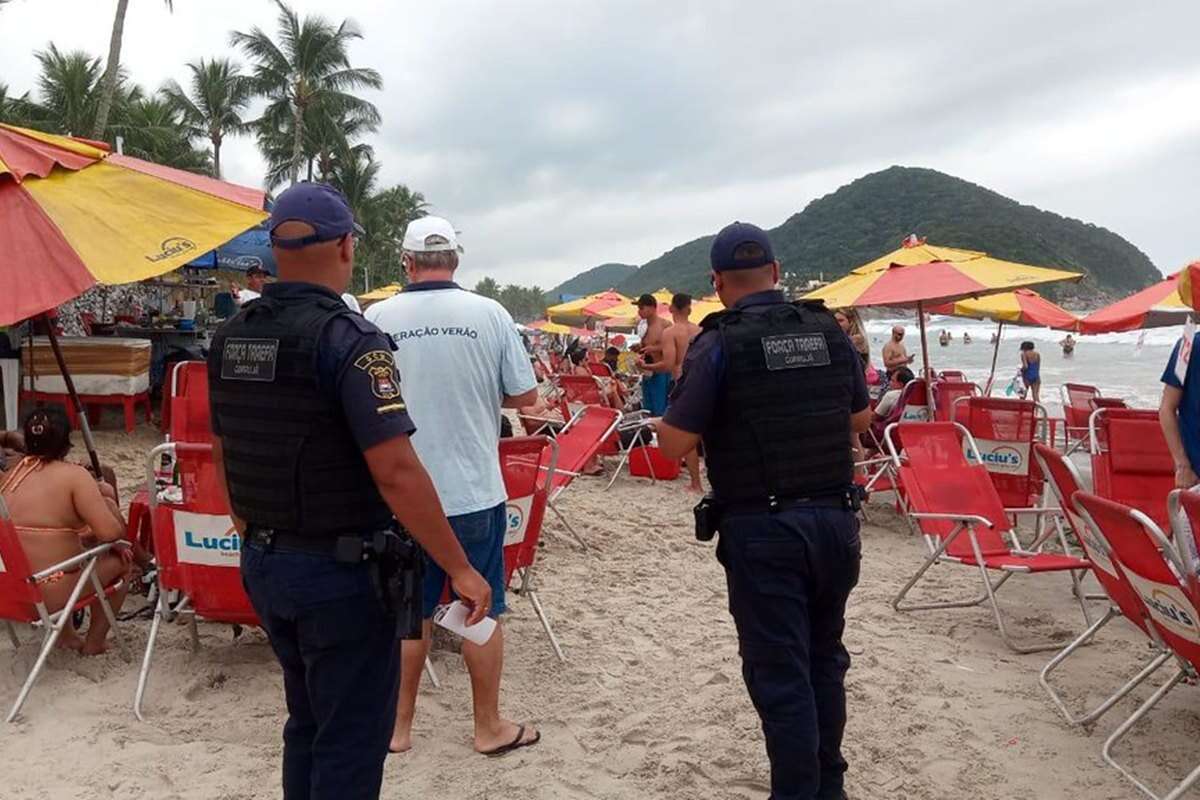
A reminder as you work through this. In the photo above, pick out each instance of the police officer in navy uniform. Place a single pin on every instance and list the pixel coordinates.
(312, 449)
(775, 389)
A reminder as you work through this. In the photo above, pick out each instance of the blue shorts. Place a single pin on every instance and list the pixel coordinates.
(654, 393)
(481, 535)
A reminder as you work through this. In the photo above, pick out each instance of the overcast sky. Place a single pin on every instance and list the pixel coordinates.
(558, 135)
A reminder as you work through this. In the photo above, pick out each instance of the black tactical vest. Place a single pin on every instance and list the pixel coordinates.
(781, 427)
(290, 459)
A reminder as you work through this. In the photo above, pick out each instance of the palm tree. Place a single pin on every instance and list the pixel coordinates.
(112, 68)
(213, 110)
(14, 110)
(308, 69)
(68, 95)
(153, 129)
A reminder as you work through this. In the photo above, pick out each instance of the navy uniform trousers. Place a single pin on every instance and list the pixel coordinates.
(341, 669)
(790, 574)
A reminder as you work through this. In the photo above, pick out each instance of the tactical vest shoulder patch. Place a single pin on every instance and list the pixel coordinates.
(795, 351)
(249, 359)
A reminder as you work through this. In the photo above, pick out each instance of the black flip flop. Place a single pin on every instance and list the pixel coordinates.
(515, 744)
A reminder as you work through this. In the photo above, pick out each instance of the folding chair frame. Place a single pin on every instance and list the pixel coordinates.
(1085, 442)
(1180, 563)
(554, 494)
(52, 624)
(967, 523)
(1113, 612)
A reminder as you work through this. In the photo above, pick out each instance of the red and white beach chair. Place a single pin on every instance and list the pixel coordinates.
(528, 464)
(189, 403)
(955, 504)
(1005, 430)
(21, 598)
(946, 395)
(197, 551)
(913, 406)
(1155, 570)
(1130, 460)
(1064, 482)
(578, 443)
(580, 391)
(1076, 403)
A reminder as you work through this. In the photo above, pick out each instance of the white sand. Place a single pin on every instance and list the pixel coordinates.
(939, 708)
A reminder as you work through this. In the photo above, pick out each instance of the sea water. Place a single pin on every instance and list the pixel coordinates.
(1125, 365)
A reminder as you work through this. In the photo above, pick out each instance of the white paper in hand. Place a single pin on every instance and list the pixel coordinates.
(453, 617)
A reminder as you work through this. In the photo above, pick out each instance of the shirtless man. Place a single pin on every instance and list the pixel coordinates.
(655, 383)
(59, 509)
(675, 342)
(894, 353)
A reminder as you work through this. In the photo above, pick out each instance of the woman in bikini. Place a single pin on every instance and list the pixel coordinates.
(59, 510)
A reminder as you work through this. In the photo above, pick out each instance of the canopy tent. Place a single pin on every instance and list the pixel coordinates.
(579, 311)
(1019, 307)
(246, 250)
(930, 283)
(74, 214)
(1157, 306)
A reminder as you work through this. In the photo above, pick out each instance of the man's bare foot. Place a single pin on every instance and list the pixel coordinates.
(508, 736)
(695, 488)
(401, 742)
(91, 648)
(69, 640)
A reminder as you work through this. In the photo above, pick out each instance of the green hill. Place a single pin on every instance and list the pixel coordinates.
(871, 216)
(596, 279)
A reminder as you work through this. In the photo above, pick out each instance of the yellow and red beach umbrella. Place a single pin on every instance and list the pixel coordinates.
(1020, 307)
(925, 284)
(1157, 306)
(627, 316)
(579, 310)
(73, 214)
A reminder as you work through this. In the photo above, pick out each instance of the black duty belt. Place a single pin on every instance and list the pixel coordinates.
(292, 542)
(774, 505)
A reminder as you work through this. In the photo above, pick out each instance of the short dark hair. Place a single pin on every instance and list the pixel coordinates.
(577, 356)
(611, 351)
(904, 375)
(1027, 346)
(681, 301)
(47, 433)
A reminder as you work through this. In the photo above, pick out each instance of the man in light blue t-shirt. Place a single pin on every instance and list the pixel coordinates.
(461, 360)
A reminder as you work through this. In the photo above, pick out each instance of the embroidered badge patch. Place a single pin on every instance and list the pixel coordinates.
(378, 364)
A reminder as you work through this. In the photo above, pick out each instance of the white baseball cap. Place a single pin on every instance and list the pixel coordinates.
(430, 235)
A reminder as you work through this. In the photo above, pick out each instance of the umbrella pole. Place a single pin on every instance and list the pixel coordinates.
(925, 358)
(80, 412)
(987, 391)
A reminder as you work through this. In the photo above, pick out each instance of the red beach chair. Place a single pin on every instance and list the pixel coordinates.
(1130, 460)
(578, 442)
(1076, 403)
(1005, 430)
(21, 598)
(528, 465)
(960, 514)
(946, 395)
(197, 551)
(1124, 601)
(953, 376)
(189, 403)
(1154, 569)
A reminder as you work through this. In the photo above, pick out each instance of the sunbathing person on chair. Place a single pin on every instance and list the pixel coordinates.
(58, 509)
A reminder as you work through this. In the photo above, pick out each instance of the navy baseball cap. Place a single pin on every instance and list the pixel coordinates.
(732, 237)
(317, 204)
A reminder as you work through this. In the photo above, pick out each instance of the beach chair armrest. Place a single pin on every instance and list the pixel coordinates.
(966, 519)
(74, 561)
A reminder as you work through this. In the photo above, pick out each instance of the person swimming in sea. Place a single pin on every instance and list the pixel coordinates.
(1068, 345)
